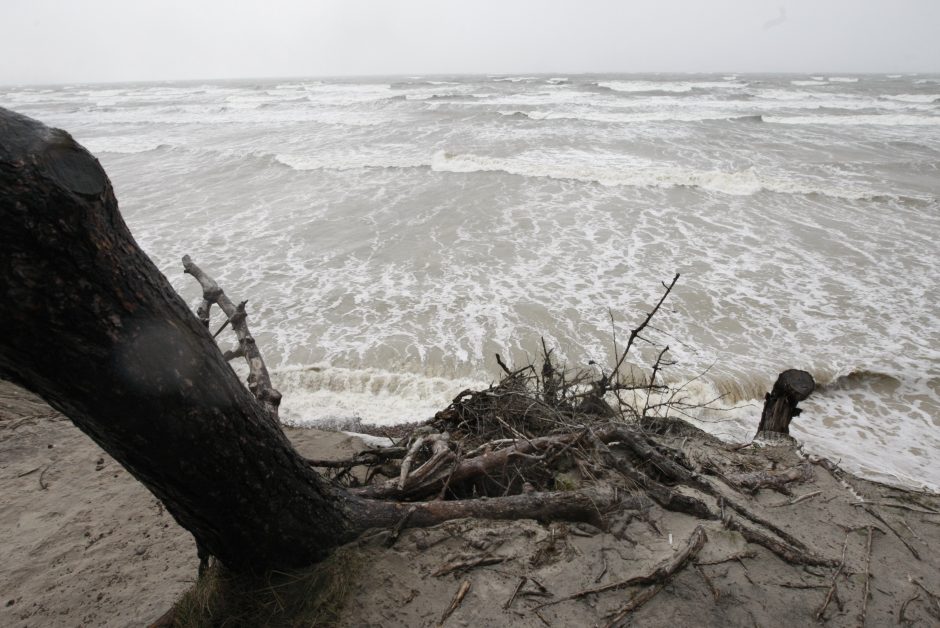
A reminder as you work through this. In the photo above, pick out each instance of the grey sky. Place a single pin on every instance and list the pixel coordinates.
(113, 40)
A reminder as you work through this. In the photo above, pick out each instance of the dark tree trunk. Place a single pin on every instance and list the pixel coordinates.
(91, 325)
(792, 386)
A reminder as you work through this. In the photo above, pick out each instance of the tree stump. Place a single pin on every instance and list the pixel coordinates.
(792, 386)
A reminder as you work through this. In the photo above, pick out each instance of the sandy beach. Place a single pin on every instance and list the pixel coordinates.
(81, 541)
(84, 544)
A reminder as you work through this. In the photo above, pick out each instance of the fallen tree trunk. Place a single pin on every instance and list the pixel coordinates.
(92, 326)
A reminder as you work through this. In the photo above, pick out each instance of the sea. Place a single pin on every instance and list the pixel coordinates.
(392, 234)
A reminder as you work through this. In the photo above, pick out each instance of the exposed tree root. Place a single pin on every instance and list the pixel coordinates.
(658, 579)
(519, 433)
(660, 574)
(907, 544)
(777, 480)
(586, 505)
(782, 550)
(832, 585)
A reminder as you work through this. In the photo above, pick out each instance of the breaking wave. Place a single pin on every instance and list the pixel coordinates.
(630, 117)
(607, 169)
(858, 120)
(318, 394)
(666, 86)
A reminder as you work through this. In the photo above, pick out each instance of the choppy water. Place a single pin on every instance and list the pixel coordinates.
(393, 234)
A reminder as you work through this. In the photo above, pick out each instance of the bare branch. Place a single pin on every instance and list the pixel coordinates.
(259, 381)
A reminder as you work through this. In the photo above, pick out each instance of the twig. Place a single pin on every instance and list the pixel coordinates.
(636, 332)
(874, 514)
(747, 575)
(715, 593)
(515, 592)
(867, 576)
(458, 598)
(600, 576)
(901, 506)
(901, 618)
(796, 500)
(783, 534)
(832, 586)
(745, 554)
(482, 561)
(638, 600)
(930, 595)
(649, 391)
(663, 572)
(42, 484)
(25, 473)
(541, 619)
(802, 585)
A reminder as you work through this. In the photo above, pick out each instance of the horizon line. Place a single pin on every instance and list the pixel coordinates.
(415, 75)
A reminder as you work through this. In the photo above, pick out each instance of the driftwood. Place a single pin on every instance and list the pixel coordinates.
(259, 381)
(792, 386)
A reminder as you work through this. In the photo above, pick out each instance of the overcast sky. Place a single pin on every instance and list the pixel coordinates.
(43, 41)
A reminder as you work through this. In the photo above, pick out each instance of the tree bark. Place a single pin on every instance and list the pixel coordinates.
(792, 386)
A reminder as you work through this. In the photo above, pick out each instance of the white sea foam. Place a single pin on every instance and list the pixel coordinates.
(843, 79)
(668, 86)
(315, 394)
(915, 98)
(856, 120)
(808, 83)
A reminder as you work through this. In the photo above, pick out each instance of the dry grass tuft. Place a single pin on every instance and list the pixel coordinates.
(314, 596)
